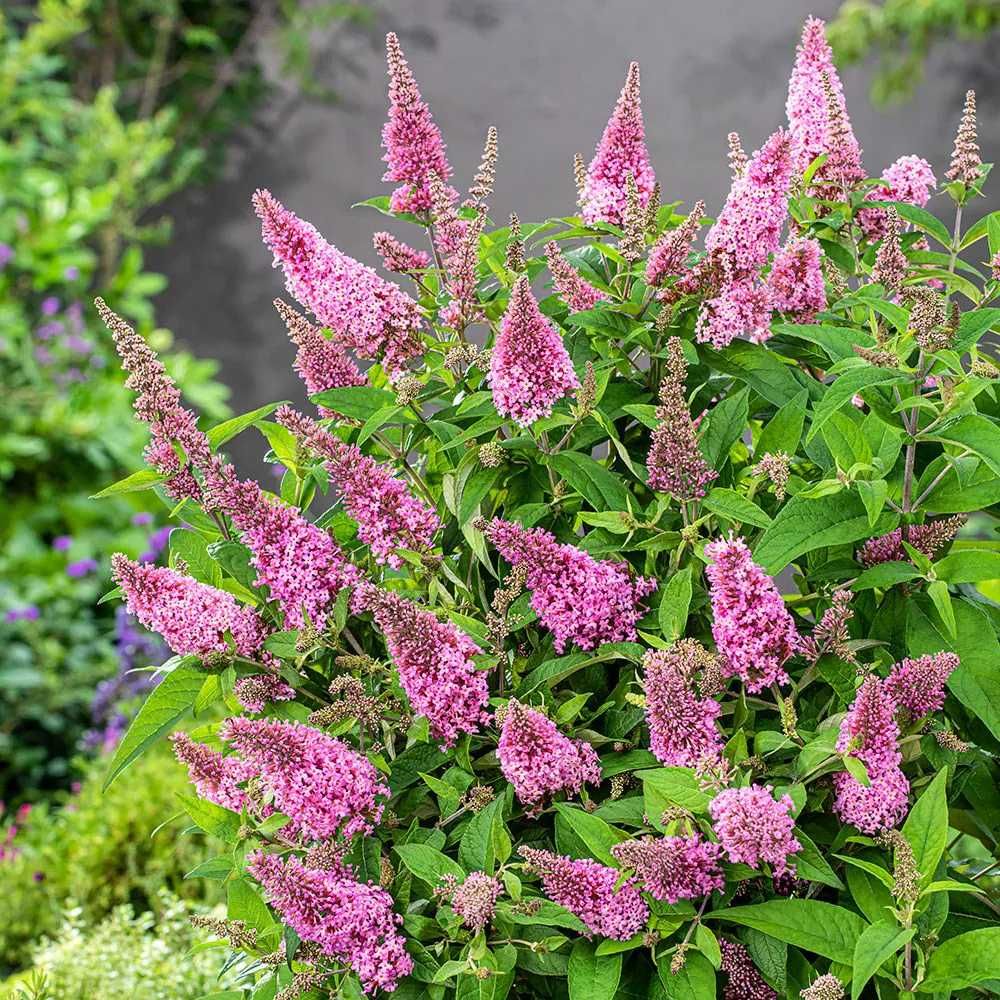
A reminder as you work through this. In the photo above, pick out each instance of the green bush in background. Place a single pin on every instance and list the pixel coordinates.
(901, 33)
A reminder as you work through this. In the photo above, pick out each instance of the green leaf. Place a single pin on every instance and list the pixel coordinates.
(428, 864)
(812, 866)
(873, 496)
(783, 431)
(941, 598)
(821, 928)
(357, 401)
(837, 342)
(885, 575)
(676, 604)
(144, 479)
(968, 566)
(965, 960)
(920, 218)
(803, 525)
(244, 903)
(592, 977)
(485, 840)
(601, 488)
(926, 828)
(724, 424)
(228, 429)
(672, 786)
(844, 388)
(708, 944)
(735, 507)
(212, 819)
(168, 703)
(877, 943)
(598, 836)
(977, 433)
(759, 368)
(695, 981)
(975, 681)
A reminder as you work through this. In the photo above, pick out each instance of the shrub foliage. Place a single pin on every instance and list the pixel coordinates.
(516, 704)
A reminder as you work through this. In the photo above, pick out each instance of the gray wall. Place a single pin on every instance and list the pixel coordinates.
(546, 74)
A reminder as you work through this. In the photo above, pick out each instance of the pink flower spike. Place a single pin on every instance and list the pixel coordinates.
(621, 151)
(743, 980)
(869, 732)
(587, 889)
(673, 868)
(578, 598)
(796, 281)
(320, 362)
(325, 787)
(215, 777)
(577, 292)
(754, 828)
(367, 314)
(682, 730)
(258, 691)
(193, 618)
(539, 761)
(388, 516)
(352, 922)
(753, 630)
(476, 898)
(414, 149)
(530, 368)
(398, 256)
(434, 662)
(918, 685)
(670, 253)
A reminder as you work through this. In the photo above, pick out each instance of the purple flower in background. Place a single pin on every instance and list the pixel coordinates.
(78, 344)
(81, 568)
(29, 613)
(61, 543)
(6, 254)
(71, 273)
(49, 330)
(43, 356)
(74, 313)
(142, 518)
(50, 306)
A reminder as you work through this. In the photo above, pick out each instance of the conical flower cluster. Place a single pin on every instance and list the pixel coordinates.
(538, 760)
(578, 293)
(796, 281)
(578, 598)
(367, 314)
(530, 368)
(414, 149)
(755, 828)
(621, 152)
(673, 868)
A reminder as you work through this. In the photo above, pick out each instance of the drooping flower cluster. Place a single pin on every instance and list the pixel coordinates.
(754, 632)
(918, 685)
(434, 661)
(398, 256)
(325, 787)
(578, 598)
(620, 153)
(322, 363)
(158, 404)
(300, 564)
(539, 761)
(796, 281)
(588, 890)
(673, 868)
(869, 733)
(351, 921)
(682, 730)
(817, 114)
(743, 980)
(388, 516)
(476, 898)
(927, 538)
(530, 368)
(192, 617)
(671, 250)
(367, 314)
(578, 293)
(754, 828)
(414, 149)
(215, 777)
(258, 691)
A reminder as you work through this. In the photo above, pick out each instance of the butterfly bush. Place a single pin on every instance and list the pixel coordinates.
(622, 621)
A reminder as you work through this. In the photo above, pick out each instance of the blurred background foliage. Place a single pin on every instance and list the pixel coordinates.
(900, 34)
(107, 108)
